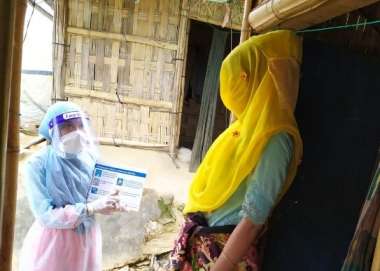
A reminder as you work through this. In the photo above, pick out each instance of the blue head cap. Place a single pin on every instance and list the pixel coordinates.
(53, 111)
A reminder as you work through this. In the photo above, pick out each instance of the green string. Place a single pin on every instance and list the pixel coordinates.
(337, 27)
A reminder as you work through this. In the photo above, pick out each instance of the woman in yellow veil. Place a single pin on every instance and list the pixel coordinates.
(251, 164)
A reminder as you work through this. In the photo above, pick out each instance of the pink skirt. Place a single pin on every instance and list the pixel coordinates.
(47, 249)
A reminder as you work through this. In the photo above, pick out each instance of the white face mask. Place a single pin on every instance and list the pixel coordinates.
(73, 143)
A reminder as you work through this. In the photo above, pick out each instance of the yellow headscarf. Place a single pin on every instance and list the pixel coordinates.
(258, 84)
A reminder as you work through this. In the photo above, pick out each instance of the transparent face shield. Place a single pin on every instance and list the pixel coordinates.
(72, 136)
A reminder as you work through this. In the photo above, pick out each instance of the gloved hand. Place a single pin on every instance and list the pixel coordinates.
(104, 205)
(121, 206)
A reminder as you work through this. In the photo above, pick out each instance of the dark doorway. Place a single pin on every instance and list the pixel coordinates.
(338, 115)
(200, 38)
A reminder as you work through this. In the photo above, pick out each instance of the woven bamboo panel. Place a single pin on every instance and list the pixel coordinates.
(121, 66)
(213, 13)
(129, 124)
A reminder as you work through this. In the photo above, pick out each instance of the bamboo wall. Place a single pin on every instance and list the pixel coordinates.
(124, 68)
(123, 62)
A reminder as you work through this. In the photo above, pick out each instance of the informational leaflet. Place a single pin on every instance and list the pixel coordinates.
(129, 182)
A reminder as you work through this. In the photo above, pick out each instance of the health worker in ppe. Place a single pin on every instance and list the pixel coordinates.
(65, 235)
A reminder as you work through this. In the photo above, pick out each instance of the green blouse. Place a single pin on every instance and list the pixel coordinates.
(259, 192)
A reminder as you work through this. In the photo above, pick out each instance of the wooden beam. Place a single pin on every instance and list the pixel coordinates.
(112, 97)
(121, 37)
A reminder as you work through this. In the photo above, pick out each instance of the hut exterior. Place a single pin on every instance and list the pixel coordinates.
(124, 62)
(94, 43)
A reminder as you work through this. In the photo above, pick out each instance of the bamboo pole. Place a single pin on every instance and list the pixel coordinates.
(9, 183)
(131, 144)
(59, 45)
(180, 66)
(122, 37)
(298, 14)
(244, 33)
(113, 97)
(182, 93)
(7, 19)
(376, 256)
(245, 28)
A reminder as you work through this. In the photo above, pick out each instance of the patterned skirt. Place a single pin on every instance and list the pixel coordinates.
(199, 246)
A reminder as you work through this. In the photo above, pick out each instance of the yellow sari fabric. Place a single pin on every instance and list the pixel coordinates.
(259, 85)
